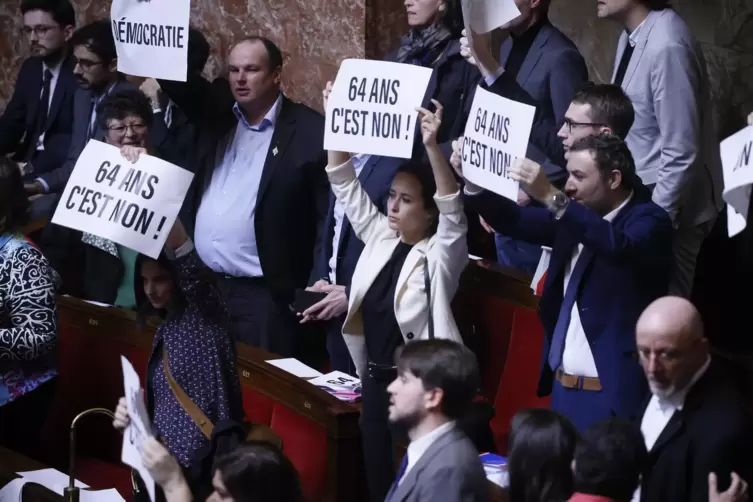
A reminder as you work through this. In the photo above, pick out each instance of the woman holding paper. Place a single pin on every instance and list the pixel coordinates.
(404, 281)
(193, 362)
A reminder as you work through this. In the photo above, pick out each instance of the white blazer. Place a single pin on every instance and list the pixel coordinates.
(446, 254)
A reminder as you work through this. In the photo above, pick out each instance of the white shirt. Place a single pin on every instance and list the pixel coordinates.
(55, 70)
(359, 160)
(633, 37)
(417, 448)
(659, 412)
(577, 358)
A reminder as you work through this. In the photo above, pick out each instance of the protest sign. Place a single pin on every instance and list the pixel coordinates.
(483, 16)
(372, 107)
(139, 429)
(496, 134)
(151, 37)
(737, 164)
(134, 205)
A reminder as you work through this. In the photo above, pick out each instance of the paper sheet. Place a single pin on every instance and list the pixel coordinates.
(295, 367)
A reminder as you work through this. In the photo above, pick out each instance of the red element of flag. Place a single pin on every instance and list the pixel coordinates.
(540, 285)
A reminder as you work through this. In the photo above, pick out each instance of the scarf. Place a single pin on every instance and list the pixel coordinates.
(423, 47)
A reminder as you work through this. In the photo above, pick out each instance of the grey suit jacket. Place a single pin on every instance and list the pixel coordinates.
(449, 471)
(551, 73)
(673, 139)
(82, 107)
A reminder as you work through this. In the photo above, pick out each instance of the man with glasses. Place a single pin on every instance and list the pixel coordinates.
(696, 422)
(36, 125)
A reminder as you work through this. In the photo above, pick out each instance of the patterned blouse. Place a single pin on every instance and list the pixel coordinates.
(202, 359)
(28, 318)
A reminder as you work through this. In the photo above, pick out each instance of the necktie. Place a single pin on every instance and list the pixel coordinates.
(44, 101)
(563, 320)
(92, 119)
(624, 62)
(400, 472)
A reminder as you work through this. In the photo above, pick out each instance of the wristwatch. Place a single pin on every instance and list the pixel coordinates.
(558, 204)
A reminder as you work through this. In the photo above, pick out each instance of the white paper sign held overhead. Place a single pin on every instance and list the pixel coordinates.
(151, 37)
(372, 107)
(139, 429)
(496, 133)
(134, 205)
(737, 164)
(484, 16)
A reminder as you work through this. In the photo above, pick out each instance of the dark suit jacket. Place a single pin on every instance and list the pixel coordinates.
(17, 125)
(376, 178)
(292, 198)
(712, 433)
(551, 73)
(82, 107)
(629, 260)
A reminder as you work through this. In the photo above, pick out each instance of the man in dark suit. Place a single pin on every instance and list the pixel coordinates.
(338, 254)
(611, 256)
(36, 124)
(696, 422)
(261, 192)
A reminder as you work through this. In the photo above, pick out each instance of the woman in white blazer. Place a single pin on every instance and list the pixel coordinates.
(424, 230)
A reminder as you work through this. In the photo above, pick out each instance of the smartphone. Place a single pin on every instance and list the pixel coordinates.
(304, 299)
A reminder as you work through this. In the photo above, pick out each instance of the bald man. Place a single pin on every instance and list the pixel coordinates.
(695, 421)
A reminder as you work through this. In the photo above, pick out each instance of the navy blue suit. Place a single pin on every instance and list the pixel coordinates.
(628, 266)
(18, 132)
(376, 178)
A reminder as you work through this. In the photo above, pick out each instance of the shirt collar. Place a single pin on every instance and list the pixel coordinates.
(270, 119)
(417, 448)
(677, 400)
(633, 37)
(527, 37)
(613, 214)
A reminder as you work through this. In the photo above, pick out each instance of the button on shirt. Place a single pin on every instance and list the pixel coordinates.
(55, 70)
(659, 412)
(577, 358)
(225, 235)
(417, 448)
(359, 160)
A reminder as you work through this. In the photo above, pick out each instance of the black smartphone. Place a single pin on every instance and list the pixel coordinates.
(304, 299)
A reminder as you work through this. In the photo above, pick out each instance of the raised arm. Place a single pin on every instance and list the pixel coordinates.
(31, 307)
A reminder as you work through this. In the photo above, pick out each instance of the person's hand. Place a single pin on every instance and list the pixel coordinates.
(132, 153)
(465, 49)
(485, 225)
(476, 49)
(122, 420)
(33, 198)
(737, 492)
(532, 179)
(320, 286)
(430, 123)
(523, 198)
(332, 305)
(150, 87)
(34, 188)
(750, 119)
(161, 465)
(325, 95)
(456, 159)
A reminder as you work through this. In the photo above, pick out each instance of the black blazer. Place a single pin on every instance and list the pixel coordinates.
(17, 131)
(712, 433)
(292, 198)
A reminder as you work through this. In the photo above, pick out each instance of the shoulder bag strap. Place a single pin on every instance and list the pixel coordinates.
(427, 286)
(198, 416)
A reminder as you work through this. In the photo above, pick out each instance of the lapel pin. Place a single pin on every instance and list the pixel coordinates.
(275, 151)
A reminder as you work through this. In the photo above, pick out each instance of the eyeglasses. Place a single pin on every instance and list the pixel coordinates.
(120, 130)
(570, 124)
(39, 30)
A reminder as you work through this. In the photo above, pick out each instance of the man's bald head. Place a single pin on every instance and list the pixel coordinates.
(671, 344)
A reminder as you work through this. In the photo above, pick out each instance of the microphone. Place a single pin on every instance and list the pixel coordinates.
(71, 493)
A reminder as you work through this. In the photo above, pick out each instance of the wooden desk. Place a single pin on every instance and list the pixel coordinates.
(11, 463)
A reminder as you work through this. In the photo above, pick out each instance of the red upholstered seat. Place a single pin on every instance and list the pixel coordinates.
(101, 475)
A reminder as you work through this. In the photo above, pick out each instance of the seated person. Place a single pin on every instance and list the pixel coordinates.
(193, 351)
(253, 472)
(28, 326)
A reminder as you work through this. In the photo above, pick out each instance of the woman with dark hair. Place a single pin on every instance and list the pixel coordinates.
(28, 321)
(256, 471)
(193, 354)
(404, 281)
(433, 41)
(540, 454)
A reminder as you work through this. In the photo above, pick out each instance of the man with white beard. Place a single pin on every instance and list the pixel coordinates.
(696, 422)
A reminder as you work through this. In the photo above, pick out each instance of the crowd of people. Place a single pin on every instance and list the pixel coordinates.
(621, 184)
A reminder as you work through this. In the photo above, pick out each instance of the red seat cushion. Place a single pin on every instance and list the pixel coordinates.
(103, 475)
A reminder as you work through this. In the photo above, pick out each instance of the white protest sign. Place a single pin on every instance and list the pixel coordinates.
(484, 16)
(134, 205)
(737, 164)
(139, 428)
(496, 134)
(151, 37)
(372, 107)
